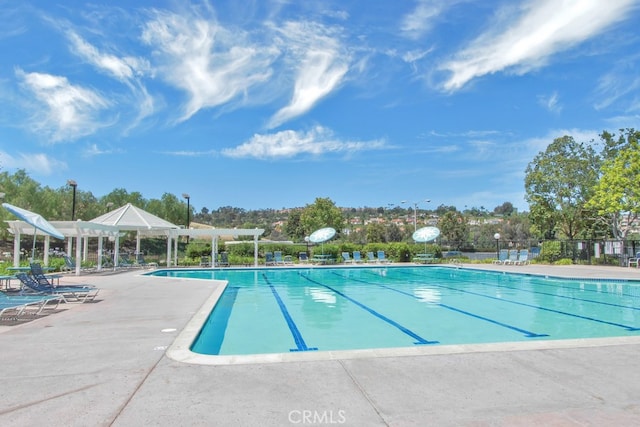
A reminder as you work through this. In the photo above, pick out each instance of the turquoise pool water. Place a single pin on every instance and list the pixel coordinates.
(297, 310)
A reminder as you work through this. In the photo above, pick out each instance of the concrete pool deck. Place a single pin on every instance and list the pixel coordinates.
(105, 363)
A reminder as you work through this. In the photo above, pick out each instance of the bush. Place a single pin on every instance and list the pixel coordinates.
(551, 251)
(563, 261)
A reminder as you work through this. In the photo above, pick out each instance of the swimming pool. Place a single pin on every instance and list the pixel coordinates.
(305, 310)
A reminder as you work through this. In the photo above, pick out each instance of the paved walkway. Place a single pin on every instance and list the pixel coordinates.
(104, 363)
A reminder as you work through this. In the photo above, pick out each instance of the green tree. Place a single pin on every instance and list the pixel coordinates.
(376, 233)
(293, 227)
(394, 233)
(504, 209)
(616, 197)
(453, 227)
(322, 213)
(558, 183)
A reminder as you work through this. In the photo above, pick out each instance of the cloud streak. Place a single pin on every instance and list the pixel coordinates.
(35, 163)
(527, 37)
(289, 144)
(213, 65)
(64, 111)
(323, 64)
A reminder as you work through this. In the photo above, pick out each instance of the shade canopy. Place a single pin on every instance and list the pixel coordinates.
(322, 235)
(35, 220)
(132, 218)
(426, 234)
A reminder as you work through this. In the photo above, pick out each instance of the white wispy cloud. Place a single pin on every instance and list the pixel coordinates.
(212, 64)
(62, 111)
(321, 63)
(617, 84)
(421, 19)
(128, 70)
(551, 102)
(93, 150)
(191, 153)
(290, 143)
(113, 65)
(34, 163)
(525, 38)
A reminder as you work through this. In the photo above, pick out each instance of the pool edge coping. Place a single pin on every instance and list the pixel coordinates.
(180, 349)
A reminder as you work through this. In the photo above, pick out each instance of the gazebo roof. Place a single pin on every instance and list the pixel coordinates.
(130, 217)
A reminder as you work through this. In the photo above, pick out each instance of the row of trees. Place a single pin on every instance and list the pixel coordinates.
(575, 192)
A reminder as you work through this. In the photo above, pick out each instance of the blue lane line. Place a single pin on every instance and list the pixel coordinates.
(564, 313)
(418, 338)
(219, 317)
(526, 333)
(297, 336)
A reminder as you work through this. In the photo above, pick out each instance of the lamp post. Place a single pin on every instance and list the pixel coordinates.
(497, 237)
(74, 185)
(306, 240)
(415, 212)
(186, 196)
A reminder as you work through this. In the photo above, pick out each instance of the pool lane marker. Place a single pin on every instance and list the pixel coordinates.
(297, 336)
(564, 313)
(527, 334)
(418, 338)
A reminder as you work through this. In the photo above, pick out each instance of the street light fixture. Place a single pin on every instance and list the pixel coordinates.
(186, 196)
(74, 185)
(497, 237)
(415, 212)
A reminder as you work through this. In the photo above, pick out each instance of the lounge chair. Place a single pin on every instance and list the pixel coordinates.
(288, 260)
(633, 262)
(223, 260)
(303, 258)
(346, 258)
(357, 258)
(382, 258)
(513, 257)
(371, 257)
(144, 264)
(523, 257)
(15, 306)
(70, 265)
(277, 257)
(205, 261)
(107, 262)
(503, 255)
(46, 279)
(78, 293)
(268, 259)
(124, 261)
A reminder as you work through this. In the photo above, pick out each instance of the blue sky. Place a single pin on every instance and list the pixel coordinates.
(271, 104)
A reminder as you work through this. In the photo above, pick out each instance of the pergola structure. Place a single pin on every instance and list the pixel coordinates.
(126, 218)
(70, 229)
(214, 234)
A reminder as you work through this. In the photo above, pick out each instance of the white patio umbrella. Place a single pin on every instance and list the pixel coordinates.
(38, 222)
(426, 234)
(322, 235)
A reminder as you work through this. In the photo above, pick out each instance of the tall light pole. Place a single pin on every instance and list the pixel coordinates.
(497, 237)
(415, 212)
(186, 196)
(74, 185)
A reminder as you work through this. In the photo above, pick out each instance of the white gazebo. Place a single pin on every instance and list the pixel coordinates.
(132, 218)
